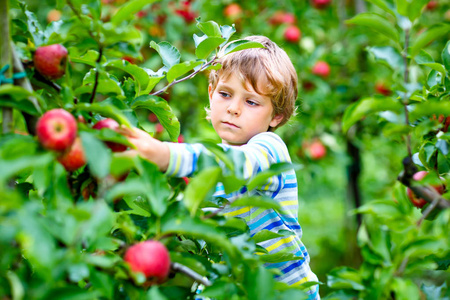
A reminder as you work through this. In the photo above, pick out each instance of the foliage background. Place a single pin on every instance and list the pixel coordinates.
(326, 207)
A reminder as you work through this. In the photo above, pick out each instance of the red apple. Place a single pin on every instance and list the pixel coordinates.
(281, 17)
(186, 180)
(56, 129)
(180, 138)
(419, 202)
(381, 88)
(432, 5)
(186, 12)
(321, 69)
(50, 60)
(292, 34)
(113, 125)
(232, 11)
(152, 118)
(53, 15)
(74, 158)
(150, 258)
(321, 4)
(317, 150)
(159, 128)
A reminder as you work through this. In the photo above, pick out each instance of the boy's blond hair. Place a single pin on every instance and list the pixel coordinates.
(273, 63)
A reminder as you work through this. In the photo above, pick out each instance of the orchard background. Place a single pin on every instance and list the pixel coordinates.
(373, 106)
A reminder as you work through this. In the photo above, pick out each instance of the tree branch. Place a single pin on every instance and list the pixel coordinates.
(405, 98)
(205, 66)
(427, 193)
(191, 273)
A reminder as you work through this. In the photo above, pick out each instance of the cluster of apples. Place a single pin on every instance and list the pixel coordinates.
(57, 130)
(420, 202)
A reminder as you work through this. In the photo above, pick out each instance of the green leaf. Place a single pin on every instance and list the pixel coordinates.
(169, 54)
(34, 28)
(429, 108)
(433, 33)
(377, 23)
(157, 187)
(198, 229)
(405, 289)
(227, 31)
(422, 247)
(180, 69)
(16, 166)
(155, 294)
(265, 235)
(435, 66)
(106, 110)
(263, 202)
(239, 45)
(200, 187)
(89, 58)
(423, 58)
(446, 56)
(279, 257)
(388, 56)
(365, 107)
(97, 154)
(162, 110)
(274, 169)
(106, 85)
(387, 7)
(140, 75)
(210, 28)
(415, 9)
(128, 10)
(345, 278)
(381, 208)
(205, 48)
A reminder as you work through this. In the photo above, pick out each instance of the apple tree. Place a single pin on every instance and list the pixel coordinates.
(79, 219)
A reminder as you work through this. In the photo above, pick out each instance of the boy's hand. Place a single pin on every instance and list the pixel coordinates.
(147, 147)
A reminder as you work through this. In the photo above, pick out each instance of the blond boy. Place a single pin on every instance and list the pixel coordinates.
(250, 96)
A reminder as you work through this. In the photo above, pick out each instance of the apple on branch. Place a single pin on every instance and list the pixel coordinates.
(74, 158)
(56, 129)
(113, 125)
(50, 61)
(321, 4)
(322, 69)
(150, 258)
(420, 202)
(292, 34)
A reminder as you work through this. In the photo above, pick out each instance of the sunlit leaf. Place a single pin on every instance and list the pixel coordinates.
(182, 68)
(169, 54)
(210, 28)
(162, 110)
(205, 48)
(433, 33)
(376, 22)
(127, 10)
(239, 45)
(200, 187)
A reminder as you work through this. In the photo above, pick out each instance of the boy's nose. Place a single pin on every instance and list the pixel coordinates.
(233, 108)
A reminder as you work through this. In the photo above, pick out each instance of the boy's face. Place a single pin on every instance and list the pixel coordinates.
(238, 112)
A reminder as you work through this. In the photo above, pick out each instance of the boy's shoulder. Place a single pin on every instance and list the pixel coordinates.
(273, 144)
(266, 137)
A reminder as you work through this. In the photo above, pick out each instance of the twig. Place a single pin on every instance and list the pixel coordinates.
(185, 78)
(97, 73)
(428, 210)
(405, 98)
(191, 273)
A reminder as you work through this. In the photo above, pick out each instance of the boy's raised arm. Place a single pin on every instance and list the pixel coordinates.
(148, 147)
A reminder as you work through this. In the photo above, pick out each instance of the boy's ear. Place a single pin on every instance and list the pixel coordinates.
(276, 120)
(210, 92)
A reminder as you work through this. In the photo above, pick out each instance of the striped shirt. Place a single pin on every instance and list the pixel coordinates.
(260, 152)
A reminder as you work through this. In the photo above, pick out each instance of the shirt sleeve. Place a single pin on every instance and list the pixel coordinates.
(260, 152)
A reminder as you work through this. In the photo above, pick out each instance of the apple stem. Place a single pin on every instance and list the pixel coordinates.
(5, 59)
(97, 73)
(177, 267)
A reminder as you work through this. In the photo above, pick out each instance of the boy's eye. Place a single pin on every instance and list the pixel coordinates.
(224, 94)
(251, 103)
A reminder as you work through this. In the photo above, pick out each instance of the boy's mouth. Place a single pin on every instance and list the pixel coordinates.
(230, 124)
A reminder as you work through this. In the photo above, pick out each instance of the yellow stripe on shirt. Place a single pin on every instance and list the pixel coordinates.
(280, 242)
(238, 212)
(289, 202)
